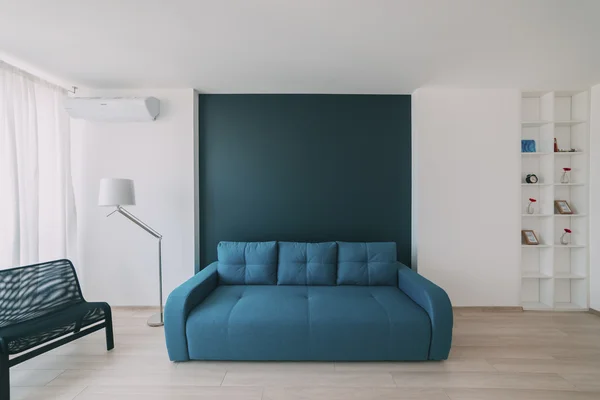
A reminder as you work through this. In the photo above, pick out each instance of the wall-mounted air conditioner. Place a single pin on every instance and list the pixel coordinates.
(113, 109)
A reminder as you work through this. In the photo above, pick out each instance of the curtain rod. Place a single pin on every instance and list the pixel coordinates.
(34, 78)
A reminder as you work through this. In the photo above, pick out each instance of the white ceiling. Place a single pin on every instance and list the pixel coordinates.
(307, 46)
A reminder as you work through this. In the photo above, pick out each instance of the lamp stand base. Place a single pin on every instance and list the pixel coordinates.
(156, 320)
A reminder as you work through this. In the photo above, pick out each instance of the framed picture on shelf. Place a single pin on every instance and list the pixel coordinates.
(528, 146)
(562, 207)
(529, 237)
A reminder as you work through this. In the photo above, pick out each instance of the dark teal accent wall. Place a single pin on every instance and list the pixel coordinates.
(304, 168)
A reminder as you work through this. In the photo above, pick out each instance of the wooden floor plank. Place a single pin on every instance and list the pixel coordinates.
(587, 382)
(33, 377)
(137, 378)
(517, 394)
(424, 366)
(497, 380)
(284, 378)
(268, 366)
(346, 393)
(45, 392)
(169, 392)
(545, 366)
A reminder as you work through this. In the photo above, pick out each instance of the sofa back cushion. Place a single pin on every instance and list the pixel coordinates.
(247, 263)
(367, 264)
(313, 264)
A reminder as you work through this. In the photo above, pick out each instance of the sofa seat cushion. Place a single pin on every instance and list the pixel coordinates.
(308, 323)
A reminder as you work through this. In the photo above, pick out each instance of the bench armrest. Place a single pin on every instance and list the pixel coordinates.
(436, 303)
(180, 303)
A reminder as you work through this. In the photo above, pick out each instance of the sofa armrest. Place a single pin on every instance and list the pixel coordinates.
(179, 304)
(436, 303)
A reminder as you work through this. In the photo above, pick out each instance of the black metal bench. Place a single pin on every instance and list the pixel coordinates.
(42, 308)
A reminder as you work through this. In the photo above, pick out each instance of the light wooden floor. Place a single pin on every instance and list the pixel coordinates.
(496, 355)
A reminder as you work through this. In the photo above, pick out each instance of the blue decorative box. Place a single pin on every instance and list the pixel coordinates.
(527, 146)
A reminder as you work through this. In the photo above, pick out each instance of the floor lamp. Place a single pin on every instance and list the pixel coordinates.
(118, 193)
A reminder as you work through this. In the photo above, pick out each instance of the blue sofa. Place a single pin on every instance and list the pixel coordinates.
(308, 301)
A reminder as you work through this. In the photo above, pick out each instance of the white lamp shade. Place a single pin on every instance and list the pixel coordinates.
(116, 192)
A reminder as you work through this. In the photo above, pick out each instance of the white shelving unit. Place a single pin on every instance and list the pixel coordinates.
(555, 276)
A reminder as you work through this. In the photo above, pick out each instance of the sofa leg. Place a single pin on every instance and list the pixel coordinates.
(110, 340)
(4, 377)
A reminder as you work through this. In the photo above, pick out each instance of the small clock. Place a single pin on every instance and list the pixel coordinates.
(531, 178)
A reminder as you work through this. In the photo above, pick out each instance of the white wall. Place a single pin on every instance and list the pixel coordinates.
(117, 258)
(466, 215)
(595, 198)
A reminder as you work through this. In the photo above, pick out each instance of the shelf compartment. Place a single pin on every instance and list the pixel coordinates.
(569, 184)
(565, 153)
(542, 193)
(537, 293)
(537, 107)
(536, 265)
(569, 306)
(570, 106)
(570, 263)
(570, 215)
(535, 306)
(576, 196)
(570, 294)
(542, 226)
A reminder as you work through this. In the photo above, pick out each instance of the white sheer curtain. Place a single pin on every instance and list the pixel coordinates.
(38, 219)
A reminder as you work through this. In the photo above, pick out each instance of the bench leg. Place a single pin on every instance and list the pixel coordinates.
(110, 340)
(4, 377)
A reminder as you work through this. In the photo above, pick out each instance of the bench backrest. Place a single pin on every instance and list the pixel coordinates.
(35, 290)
